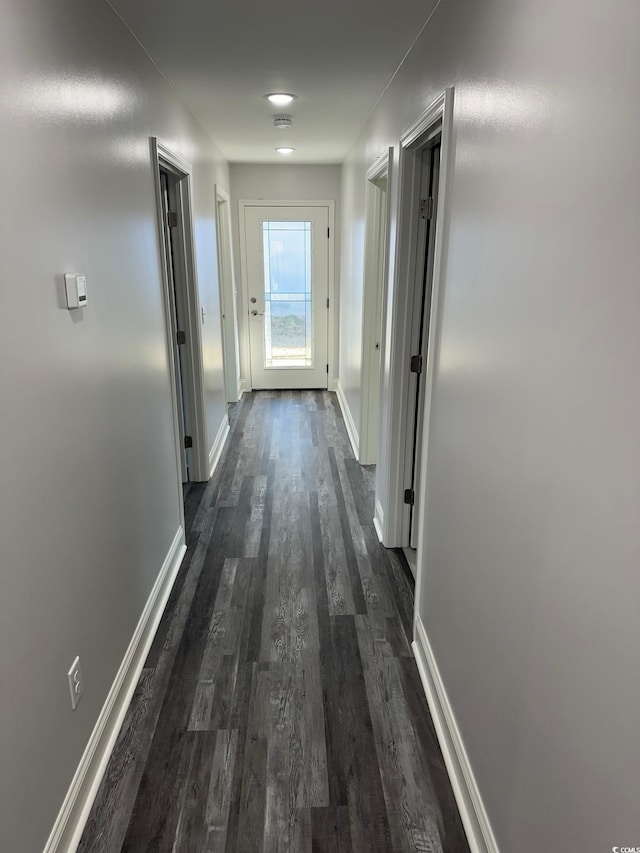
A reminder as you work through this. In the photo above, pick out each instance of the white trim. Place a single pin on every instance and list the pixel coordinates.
(218, 444)
(243, 320)
(228, 296)
(332, 317)
(465, 788)
(380, 166)
(352, 432)
(378, 520)
(430, 116)
(439, 252)
(71, 820)
(396, 516)
(376, 269)
(245, 386)
(194, 352)
(164, 152)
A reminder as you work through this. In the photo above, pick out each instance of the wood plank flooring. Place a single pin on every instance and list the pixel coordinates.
(280, 708)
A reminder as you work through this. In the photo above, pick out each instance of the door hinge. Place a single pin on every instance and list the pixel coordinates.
(181, 338)
(409, 497)
(188, 442)
(426, 208)
(172, 219)
(328, 233)
(416, 364)
(327, 368)
(327, 302)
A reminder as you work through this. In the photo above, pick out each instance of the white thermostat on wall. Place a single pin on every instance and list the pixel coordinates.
(76, 287)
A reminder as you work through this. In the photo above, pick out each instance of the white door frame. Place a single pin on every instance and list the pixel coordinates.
(376, 253)
(395, 526)
(193, 379)
(244, 316)
(228, 297)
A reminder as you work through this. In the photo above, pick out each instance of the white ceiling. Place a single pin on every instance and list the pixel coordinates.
(221, 58)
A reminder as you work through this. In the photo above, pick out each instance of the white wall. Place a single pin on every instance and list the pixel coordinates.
(89, 501)
(531, 588)
(281, 183)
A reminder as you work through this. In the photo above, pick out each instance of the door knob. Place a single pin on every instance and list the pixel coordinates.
(255, 313)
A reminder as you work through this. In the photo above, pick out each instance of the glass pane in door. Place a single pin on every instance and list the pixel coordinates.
(288, 335)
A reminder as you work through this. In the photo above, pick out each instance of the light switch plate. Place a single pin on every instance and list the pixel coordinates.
(76, 289)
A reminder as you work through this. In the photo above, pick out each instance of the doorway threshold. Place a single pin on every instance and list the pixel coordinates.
(411, 556)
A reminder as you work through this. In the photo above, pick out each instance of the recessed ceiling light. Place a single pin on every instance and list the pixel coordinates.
(280, 99)
(285, 150)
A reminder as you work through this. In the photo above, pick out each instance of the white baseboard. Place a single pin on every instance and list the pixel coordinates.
(332, 384)
(218, 444)
(244, 386)
(352, 432)
(474, 816)
(378, 521)
(67, 830)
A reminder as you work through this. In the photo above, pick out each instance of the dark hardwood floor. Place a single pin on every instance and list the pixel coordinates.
(280, 708)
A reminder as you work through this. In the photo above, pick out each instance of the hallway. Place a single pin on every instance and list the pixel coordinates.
(280, 708)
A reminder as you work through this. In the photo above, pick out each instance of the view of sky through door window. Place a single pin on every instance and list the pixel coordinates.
(288, 337)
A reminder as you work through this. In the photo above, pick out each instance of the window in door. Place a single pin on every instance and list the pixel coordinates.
(288, 333)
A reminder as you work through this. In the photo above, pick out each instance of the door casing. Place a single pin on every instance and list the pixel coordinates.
(423, 290)
(171, 245)
(392, 518)
(162, 157)
(376, 250)
(228, 297)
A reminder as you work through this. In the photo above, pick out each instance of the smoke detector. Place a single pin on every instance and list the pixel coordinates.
(282, 121)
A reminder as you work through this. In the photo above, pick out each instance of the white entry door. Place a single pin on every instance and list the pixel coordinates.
(287, 269)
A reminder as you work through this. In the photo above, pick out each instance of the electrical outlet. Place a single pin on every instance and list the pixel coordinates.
(76, 683)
